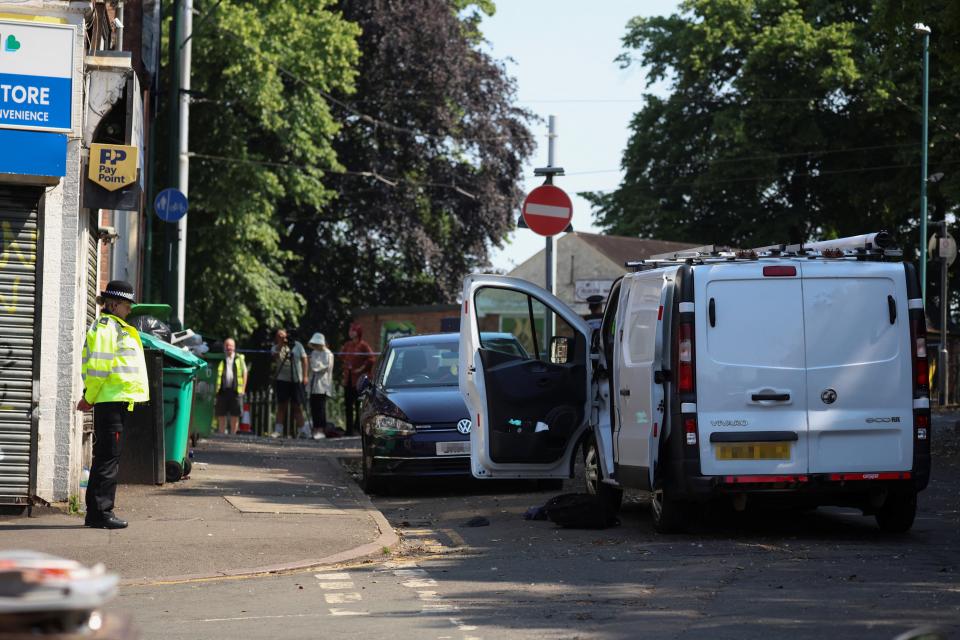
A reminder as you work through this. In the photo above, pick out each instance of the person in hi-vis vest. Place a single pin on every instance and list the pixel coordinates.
(231, 383)
(114, 379)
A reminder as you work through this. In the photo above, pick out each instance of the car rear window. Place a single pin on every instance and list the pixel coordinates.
(422, 365)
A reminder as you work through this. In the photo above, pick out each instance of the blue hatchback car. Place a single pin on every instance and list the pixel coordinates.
(414, 421)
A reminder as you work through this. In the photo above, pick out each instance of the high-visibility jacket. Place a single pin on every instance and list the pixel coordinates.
(113, 367)
(239, 372)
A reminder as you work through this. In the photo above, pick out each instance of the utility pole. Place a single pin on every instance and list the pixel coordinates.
(173, 154)
(185, 45)
(178, 173)
(923, 30)
(551, 255)
(944, 318)
(946, 253)
(552, 203)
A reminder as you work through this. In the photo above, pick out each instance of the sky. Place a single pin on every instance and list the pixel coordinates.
(561, 54)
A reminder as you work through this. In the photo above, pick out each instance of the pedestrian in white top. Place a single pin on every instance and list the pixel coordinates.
(321, 382)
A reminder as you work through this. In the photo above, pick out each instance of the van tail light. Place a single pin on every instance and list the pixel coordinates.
(685, 382)
(918, 340)
(690, 429)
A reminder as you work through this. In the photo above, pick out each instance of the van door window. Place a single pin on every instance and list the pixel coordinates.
(515, 324)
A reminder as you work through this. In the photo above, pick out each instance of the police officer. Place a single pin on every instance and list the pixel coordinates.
(595, 317)
(114, 378)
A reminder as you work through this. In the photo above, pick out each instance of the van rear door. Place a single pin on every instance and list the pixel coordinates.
(860, 394)
(639, 354)
(751, 385)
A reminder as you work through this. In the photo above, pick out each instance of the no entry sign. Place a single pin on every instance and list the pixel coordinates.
(547, 210)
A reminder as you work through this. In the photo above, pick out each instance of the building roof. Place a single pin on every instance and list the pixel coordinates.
(621, 249)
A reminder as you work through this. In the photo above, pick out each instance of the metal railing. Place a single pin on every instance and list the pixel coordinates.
(263, 412)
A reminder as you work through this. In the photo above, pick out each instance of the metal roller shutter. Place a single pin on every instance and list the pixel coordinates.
(18, 295)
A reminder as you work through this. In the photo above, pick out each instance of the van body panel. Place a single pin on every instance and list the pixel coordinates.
(639, 353)
(750, 374)
(529, 411)
(860, 394)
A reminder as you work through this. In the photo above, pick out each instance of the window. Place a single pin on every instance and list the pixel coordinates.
(516, 324)
(422, 365)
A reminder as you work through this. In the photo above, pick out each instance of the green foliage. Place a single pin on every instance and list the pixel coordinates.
(257, 68)
(787, 120)
(439, 126)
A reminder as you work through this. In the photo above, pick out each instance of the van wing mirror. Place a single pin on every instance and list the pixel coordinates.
(561, 350)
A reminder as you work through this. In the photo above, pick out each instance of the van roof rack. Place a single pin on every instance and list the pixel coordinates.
(875, 246)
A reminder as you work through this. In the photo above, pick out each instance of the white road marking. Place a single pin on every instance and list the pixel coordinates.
(417, 578)
(420, 583)
(333, 586)
(289, 615)
(332, 576)
(348, 612)
(342, 598)
(460, 626)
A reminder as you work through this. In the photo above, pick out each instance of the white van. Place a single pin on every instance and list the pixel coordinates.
(793, 373)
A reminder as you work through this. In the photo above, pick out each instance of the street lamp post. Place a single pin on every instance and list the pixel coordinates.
(924, 30)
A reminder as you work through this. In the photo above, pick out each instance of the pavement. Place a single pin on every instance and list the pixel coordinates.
(250, 506)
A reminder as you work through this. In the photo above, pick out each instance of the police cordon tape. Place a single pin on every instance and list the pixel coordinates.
(336, 353)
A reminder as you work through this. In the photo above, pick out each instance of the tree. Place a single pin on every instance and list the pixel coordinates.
(433, 150)
(787, 120)
(262, 135)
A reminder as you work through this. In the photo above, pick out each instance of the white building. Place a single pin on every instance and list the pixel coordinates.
(61, 81)
(588, 263)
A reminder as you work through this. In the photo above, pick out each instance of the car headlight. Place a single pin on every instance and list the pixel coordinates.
(390, 426)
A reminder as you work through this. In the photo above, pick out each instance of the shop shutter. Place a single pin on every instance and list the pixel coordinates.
(19, 343)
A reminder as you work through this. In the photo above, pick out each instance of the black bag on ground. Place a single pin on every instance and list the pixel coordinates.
(580, 511)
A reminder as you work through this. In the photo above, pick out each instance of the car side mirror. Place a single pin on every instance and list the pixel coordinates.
(561, 349)
(364, 384)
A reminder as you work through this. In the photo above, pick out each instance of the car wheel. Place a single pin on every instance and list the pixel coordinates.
(898, 512)
(369, 482)
(669, 514)
(611, 497)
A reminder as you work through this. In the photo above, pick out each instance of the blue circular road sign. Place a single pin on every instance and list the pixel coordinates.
(170, 205)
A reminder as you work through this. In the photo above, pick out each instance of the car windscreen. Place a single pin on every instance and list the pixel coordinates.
(422, 365)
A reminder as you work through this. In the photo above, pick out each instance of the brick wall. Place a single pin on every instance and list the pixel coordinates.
(424, 319)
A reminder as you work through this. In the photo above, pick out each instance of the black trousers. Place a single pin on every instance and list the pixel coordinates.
(318, 411)
(108, 422)
(352, 408)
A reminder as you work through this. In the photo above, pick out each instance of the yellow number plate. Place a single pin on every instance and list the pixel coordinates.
(754, 451)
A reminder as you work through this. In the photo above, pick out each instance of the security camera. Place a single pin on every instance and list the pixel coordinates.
(107, 233)
(118, 23)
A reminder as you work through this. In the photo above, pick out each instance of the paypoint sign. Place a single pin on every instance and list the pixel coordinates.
(36, 75)
(113, 166)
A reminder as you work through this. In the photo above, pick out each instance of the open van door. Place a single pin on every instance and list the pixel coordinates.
(525, 376)
(639, 354)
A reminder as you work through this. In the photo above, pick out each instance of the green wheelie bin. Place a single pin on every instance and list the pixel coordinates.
(204, 398)
(179, 371)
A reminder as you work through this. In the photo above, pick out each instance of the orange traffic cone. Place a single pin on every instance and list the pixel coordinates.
(245, 419)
